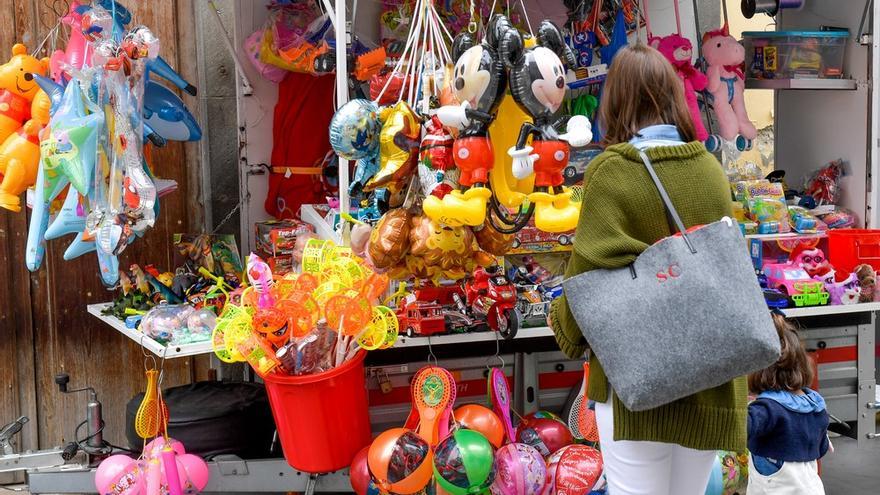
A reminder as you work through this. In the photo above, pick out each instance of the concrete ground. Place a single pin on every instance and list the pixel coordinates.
(850, 470)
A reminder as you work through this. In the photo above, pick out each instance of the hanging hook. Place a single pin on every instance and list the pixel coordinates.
(432, 359)
(497, 354)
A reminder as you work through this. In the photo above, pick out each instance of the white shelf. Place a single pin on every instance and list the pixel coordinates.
(161, 350)
(831, 310)
(463, 338)
(805, 84)
(788, 235)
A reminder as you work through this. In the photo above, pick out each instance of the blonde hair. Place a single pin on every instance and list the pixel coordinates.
(642, 89)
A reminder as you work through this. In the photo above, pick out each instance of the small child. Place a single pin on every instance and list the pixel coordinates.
(788, 423)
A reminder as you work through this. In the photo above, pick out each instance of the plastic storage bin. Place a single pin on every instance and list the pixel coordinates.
(795, 54)
(848, 248)
(323, 420)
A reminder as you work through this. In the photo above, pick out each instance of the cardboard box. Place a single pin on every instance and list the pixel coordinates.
(277, 237)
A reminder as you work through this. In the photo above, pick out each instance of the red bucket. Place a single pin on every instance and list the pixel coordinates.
(848, 248)
(323, 420)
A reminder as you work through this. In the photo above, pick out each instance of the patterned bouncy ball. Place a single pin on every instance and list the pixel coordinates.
(464, 463)
(482, 419)
(400, 462)
(574, 469)
(359, 474)
(354, 130)
(545, 432)
(519, 470)
(730, 474)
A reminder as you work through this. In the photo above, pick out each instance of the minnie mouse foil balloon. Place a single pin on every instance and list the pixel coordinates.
(537, 83)
(479, 83)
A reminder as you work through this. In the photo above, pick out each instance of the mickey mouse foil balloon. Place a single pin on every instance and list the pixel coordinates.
(537, 83)
(479, 83)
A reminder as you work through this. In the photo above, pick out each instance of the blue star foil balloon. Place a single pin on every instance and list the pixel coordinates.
(71, 149)
(354, 130)
(71, 219)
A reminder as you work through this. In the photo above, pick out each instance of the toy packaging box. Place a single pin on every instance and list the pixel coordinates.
(771, 251)
(276, 238)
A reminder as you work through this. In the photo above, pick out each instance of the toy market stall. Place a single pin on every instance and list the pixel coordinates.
(411, 175)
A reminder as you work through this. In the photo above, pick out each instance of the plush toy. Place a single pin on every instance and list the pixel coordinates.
(867, 281)
(725, 57)
(537, 83)
(843, 288)
(679, 51)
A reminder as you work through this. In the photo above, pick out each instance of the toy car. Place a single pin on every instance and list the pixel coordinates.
(794, 282)
(421, 317)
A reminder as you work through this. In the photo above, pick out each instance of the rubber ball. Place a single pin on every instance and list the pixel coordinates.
(400, 462)
(464, 463)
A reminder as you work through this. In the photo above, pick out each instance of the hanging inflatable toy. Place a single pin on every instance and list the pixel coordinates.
(479, 83)
(18, 89)
(167, 116)
(537, 83)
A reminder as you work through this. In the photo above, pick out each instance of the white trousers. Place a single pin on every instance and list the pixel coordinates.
(794, 478)
(650, 468)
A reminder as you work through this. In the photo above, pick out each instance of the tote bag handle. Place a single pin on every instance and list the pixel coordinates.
(670, 209)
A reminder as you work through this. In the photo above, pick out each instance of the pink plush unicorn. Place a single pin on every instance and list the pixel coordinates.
(726, 83)
(679, 51)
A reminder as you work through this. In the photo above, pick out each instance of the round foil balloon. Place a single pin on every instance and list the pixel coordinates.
(482, 419)
(573, 470)
(519, 470)
(464, 463)
(354, 129)
(400, 462)
(545, 434)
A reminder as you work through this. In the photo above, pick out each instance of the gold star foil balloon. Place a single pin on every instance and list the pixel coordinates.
(398, 148)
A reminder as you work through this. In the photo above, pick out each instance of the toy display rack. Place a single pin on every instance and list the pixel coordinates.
(159, 349)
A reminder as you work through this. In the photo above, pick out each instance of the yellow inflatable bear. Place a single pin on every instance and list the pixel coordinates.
(24, 111)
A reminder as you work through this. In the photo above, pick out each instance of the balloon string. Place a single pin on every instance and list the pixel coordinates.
(399, 64)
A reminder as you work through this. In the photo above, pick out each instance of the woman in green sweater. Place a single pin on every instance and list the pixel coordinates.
(670, 449)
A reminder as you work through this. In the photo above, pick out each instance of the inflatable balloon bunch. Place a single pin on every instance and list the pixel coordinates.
(473, 448)
(413, 245)
(163, 468)
(100, 106)
(308, 322)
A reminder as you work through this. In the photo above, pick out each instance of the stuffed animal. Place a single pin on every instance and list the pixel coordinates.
(843, 288)
(679, 51)
(868, 282)
(725, 57)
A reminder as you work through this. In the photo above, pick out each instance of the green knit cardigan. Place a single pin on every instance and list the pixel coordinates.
(621, 215)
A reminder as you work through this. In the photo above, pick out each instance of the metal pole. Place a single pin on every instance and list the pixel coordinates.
(247, 88)
(342, 34)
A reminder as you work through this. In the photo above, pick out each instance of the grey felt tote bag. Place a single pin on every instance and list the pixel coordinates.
(686, 316)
